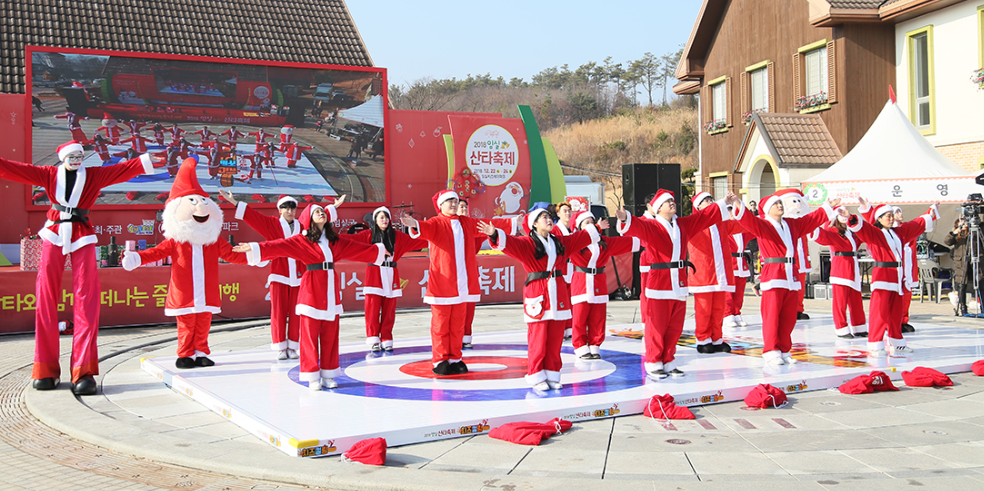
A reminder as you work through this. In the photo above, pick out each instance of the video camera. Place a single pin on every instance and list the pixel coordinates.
(972, 209)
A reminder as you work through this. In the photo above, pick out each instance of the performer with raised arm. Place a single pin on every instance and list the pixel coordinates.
(563, 228)
(546, 301)
(780, 280)
(667, 236)
(111, 128)
(159, 134)
(382, 281)
(452, 279)
(845, 277)
(284, 280)
(319, 301)
(886, 246)
(233, 136)
(589, 287)
(72, 189)
(742, 270)
(911, 266)
(75, 126)
(176, 133)
(466, 339)
(206, 135)
(260, 136)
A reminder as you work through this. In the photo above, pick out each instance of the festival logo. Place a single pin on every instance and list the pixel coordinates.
(612, 411)
(712, 398)
(492, 155)
(475, 429)
(317, 451)
(797, 387)
(147, 228)
(510, 200)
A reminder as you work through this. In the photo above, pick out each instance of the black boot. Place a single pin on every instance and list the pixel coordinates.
(86, 386)
(184, 363)
(49, 383)
(202, 361)
(961, 300)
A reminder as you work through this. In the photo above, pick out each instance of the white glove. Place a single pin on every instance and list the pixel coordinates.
(131, 260)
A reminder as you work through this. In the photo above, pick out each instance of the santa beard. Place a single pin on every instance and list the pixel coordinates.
(190, 231)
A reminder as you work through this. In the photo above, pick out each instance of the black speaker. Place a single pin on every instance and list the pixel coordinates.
(641, 180)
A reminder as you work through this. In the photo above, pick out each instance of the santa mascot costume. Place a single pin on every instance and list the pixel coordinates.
(286, 135)
(795, 206)
(111, 128)
(192, 225)
(73, 190)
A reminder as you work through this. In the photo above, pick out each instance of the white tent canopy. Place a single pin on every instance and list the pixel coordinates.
(369, 112)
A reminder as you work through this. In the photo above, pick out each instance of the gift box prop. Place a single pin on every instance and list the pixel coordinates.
(30, 254)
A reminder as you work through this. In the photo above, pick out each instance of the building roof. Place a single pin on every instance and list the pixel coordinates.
(856, 4)
(798, 139)
(303, 31)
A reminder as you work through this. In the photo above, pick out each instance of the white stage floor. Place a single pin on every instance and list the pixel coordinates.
(395, 396)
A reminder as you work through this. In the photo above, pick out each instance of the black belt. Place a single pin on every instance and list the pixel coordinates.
(388, 264)
(887, 264)
(735, 254)
(845, 253)
(320, 266)
(589, 270)
(778, 260)
(673, 265)
(542, 275)
(78, 214)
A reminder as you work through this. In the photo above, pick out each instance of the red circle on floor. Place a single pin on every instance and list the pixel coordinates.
(514, 368)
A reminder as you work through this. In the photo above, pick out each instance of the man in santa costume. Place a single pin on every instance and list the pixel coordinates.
(73, 190)
(260, 136)
(264, 155)
(206, 135)
(159, 134)
(294, 153)
(742, 271)
(667, 236)
(911, 271)
(563, 228)
(714, 279)
(137, 142)
(286, 134)
(192, 224)
(845, 277)
(134, 126)
(780, 281)
(101, 148)
(176, 133)
(795, 206)
(233, 136)
(75, 126)
(285, 277)
(111, 128)
(452, 277)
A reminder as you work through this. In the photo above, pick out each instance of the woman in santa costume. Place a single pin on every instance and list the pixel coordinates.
(176, 133)
(192, 224)
(284, 280)
(382, 282)
(73, 190)
(159, 134)
(845, 277)
(780, 279)
(101, 148)
(319, 301)
(466, 339)
(564, 228)
(741, 270)
(714, 279)
(589, 287)
(667, 236)
(546, 300)
(137, 142)
(911, 271)
(452, 279)
(886, 245)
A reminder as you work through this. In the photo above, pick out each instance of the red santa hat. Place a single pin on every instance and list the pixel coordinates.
(286, 199)
(305, 217)
(700, 197)
(288, 129)
(369, 452)
(661, 197)
(580, 217)
(441, 197)
(874, 211)
(186, 182)
(381, 209)
(531, 219)
(767, 203)
(67, 148)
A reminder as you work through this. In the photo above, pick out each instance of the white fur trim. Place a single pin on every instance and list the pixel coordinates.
(441, 198)
(622, 227)
(334, 372)
(552, 376)
(843, 331)
(895, 343)
(700, 197)
(148, 164)
(725, 213)
(769, 356)
(533, 215)
(739, 210)
(310, 377)
(466, 339)
(332, 213)
(536, 378)
(582, 350)
(285, 199)
(500, 242)
(253, 257)
(383, 209)
(371, 340)
(67, 149)
(659, 199)
(278, 346)
(595, 350)
(240, 210)
(387, 344)
(771, 200)
(429, 300)
(883, 209)
(929, 221)
(876, 346)
(191, 310)
(652, 367)
(582, 217)
(314, 313)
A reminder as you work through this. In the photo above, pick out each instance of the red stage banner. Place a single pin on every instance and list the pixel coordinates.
(491, 164)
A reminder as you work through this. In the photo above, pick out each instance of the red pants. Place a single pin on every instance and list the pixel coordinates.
(709, 314)
(85, 308)
(886, 318)
(734, 300)
(447, 328)
(380, 317)
(285, 325)
(469, 318)
(906, 302)
(319, 349)
(664, 324)
(589, 326)
(79, 136)
(545, 338)
(193, 334)
(569, 323)
(643, 312)
(778, 319)
(846, 298)
(801, 292)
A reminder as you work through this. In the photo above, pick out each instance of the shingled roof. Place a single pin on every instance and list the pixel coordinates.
(306, 31)
(799, 139)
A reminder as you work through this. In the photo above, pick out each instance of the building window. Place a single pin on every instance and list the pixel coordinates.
(719, 100)
(814, 77)
(715, 105)
(759, 84)
(980, 36)
(719, 186)
(816, 71)
(757, 90)
(921, 96)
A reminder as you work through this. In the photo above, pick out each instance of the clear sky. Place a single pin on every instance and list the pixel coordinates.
(515, 38)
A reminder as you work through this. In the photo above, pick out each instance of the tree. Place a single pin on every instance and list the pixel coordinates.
(669, 63)
(648, 72)
(583, 106)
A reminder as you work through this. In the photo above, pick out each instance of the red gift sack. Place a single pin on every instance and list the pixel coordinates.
(978, 368)
(764, 396)
(926, 377)
(370, 452)
(663, 407)
(527, 433)
(876, 381)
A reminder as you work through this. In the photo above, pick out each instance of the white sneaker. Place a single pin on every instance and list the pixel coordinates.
(292, 353)
(329, 383)
(315, 385)
(555, 385)
(542, 386)
(282, 355)
(729, 322)
(776, 361)
(741, 322)
(903, 350)
(788, 358)
(878, 353)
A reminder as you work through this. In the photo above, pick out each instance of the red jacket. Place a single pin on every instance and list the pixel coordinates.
(545, 298)
(645, 257)
(385, 280)
(593, 287)
(283, 270)
(194, 285)
(560, 230)
(887, 245)
(844, 270)
(320, 296)
(710, 251)
(667, 242)
(736, 247)
(89, 181)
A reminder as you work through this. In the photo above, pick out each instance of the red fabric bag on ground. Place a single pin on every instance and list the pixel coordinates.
(764, 396)
(527, 433)
(876, 381)
(663, 407)
(926, 377)
(371, 451)
(978, 368)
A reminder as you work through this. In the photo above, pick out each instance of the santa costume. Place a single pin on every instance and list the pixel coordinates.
(284, 280)
(589, 288)
(260, 136)
(137, 143)
(134, 126)
(381, 287)
(233, 136)
(319, 301)
(780, 279)
(75, 126)
(452, 279)
(194, 247)
(546, 299)
(645, 259)
(845, 278)
(888, 286)
(561, 230)
(101, 148)
(713, 281)
(286, 134)
(667, 282)
(68, 231)
(909, 262)
(205, 134)
(741, 270)
(176, 133)
(263, 155)
(294, 153)
(159, 134)
(111, 128)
